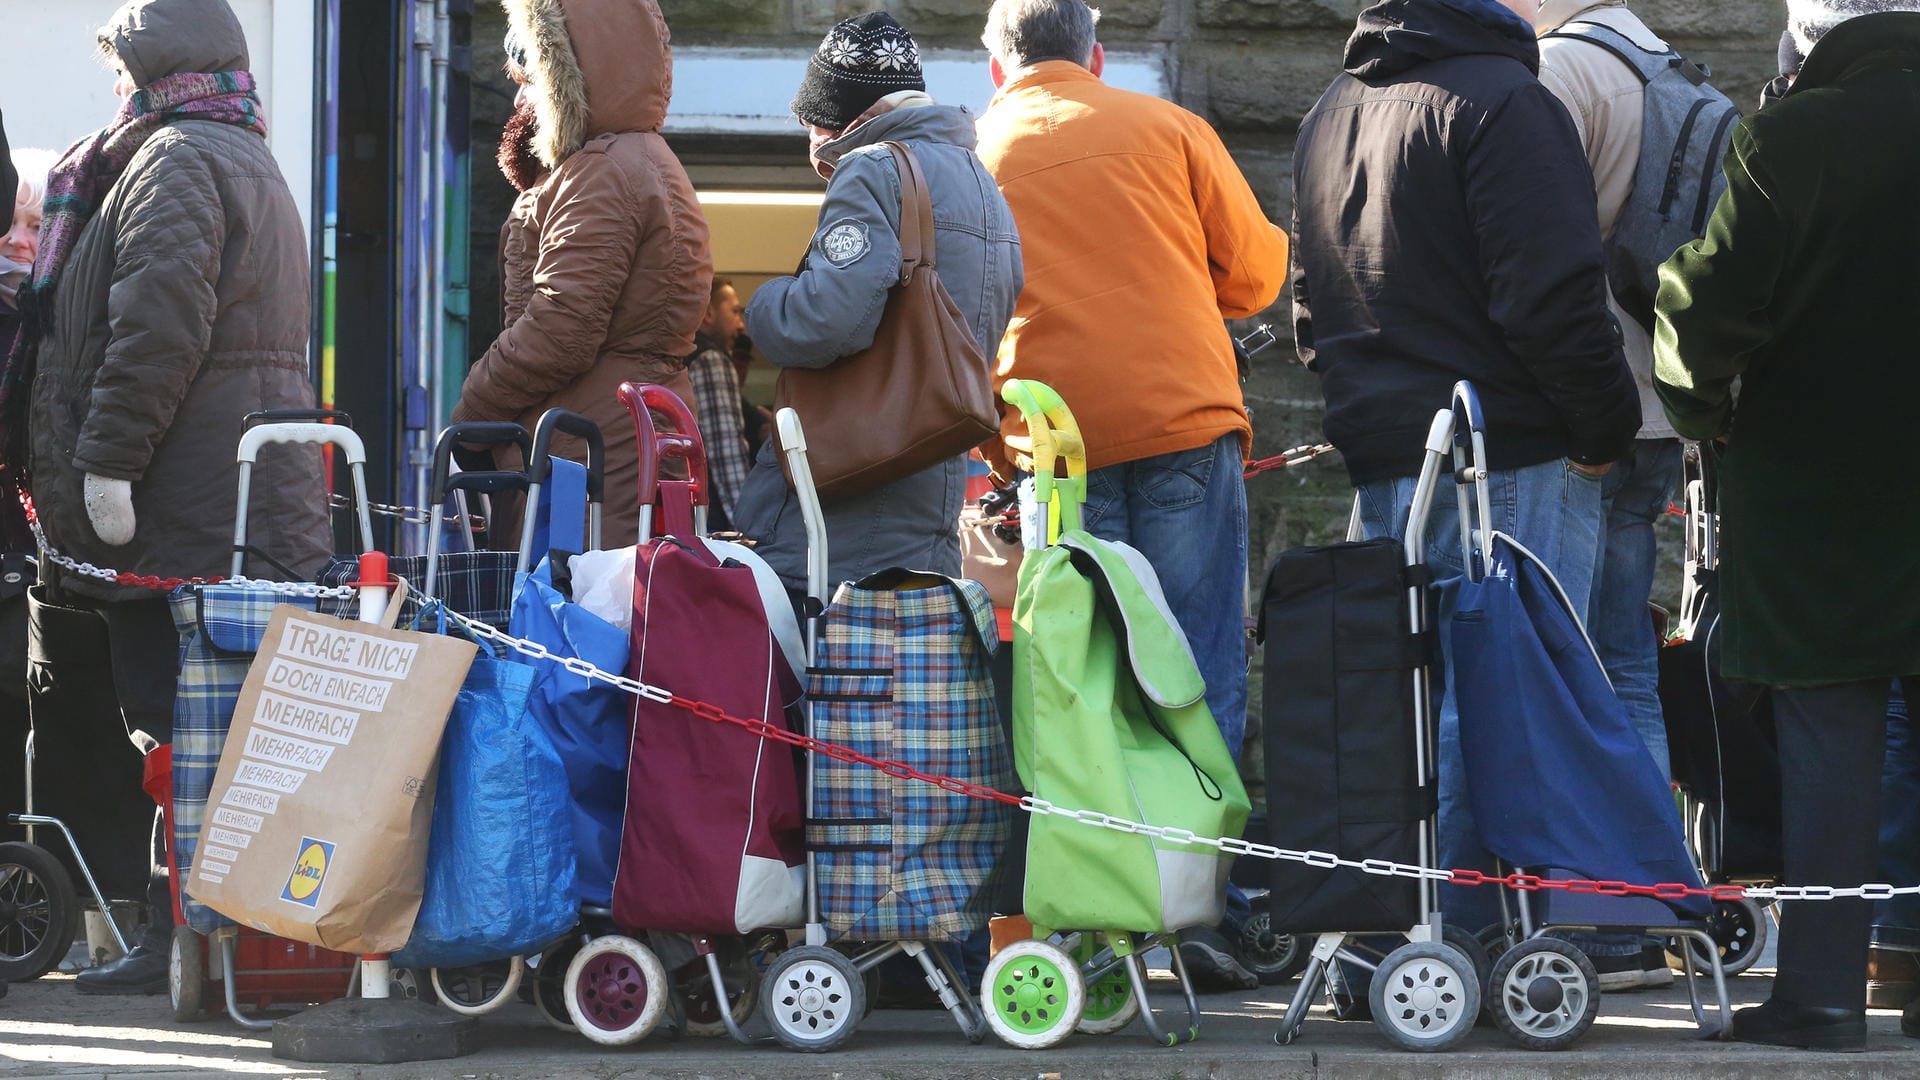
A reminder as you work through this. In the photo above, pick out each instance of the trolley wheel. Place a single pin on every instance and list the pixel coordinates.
(1033, 995)
(1274, 958)
(1425, 996)
(1738, 927)
(478, 989)
(405, 984)
(186, 975)
(1471, 948)
(39, 912)
(550, 983)
(814, 997)
(1545, 994)
(703, 1006)
(1493, 940)
(1111, 1004)
(616, 990)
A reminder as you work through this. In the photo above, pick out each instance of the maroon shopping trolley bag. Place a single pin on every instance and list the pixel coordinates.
(713, 840)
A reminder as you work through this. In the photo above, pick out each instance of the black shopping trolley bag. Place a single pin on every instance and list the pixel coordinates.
(1342, 776)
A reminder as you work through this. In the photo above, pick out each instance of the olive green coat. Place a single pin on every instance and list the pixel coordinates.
(1806, 289)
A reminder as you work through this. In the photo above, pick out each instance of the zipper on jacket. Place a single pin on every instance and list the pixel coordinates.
(1680, 157)
(1716, 152)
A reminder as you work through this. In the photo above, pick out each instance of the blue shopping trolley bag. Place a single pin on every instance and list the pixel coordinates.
(500, 861)
(1559, 781)
(586, 720)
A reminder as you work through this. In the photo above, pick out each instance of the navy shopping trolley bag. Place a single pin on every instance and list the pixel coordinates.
(1559, 780)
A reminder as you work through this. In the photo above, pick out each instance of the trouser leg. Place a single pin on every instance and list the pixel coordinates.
(1832, 747)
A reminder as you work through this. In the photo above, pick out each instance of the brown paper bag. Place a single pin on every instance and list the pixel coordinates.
(317, 824)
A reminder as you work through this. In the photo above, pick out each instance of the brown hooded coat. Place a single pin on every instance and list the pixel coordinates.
(605, 265)
(182, 308)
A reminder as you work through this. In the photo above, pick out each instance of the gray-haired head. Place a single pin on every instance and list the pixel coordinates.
(1021, 33)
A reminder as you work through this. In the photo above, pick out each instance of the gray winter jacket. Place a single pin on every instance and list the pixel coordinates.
(183, 308)
(832, 309)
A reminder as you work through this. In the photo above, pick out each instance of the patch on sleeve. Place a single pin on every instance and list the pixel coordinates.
(845, 242)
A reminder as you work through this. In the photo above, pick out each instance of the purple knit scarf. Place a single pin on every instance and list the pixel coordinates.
(75, 189)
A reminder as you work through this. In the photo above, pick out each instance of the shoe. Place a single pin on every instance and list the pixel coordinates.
(142, 971)
(1654, 972)
(1619, 975)
(1782, 1023)
(1211, 963)
(1893, 976)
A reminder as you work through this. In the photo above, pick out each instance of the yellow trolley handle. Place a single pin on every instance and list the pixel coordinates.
(1055, 436)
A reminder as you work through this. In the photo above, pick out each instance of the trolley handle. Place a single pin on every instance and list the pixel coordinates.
(486, 433)
(657, 447)
(282, 416)
(685, 442)
(567, 422)
(270, 433)
(1055, 436)
(793, 444)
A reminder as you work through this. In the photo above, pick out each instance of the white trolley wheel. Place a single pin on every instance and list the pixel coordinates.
(1034, 995)
(405, 985)
(187, 982)
(1111, 1004)
(478, 989)
(550, 985)
(1546, 994)
(813, 997)
(1425, 996)
(616, 990)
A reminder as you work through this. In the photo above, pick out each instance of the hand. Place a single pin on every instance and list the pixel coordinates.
(1595, 471)
(110, 508)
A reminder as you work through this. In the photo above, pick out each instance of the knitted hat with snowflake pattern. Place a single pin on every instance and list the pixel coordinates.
(861, 61)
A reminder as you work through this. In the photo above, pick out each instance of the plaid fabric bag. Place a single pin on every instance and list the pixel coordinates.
(220, 630)
(477, 584)
(902, 674)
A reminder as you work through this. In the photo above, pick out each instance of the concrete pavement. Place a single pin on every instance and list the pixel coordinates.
(49, 1030)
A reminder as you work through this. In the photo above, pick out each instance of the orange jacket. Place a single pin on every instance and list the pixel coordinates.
(1139, 236)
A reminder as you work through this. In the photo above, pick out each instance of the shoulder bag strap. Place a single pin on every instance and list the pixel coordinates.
(916, 213)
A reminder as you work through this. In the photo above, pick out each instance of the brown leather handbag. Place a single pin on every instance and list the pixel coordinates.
(920, 394)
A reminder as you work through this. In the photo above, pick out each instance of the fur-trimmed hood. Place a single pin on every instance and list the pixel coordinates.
(597, 67)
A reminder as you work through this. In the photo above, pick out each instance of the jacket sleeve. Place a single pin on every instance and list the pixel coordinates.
(1716, 295)
(832, 307)
(160, 310)
(587, 247)
(1534, 213)
(1246, 253)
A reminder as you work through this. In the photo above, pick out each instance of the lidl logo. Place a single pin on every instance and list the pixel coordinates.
(309, 872)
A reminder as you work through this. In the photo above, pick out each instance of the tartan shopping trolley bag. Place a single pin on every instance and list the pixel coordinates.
(901, 673)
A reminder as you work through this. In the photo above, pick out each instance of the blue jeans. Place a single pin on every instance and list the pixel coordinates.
(1896, 922)
(1633, 495)
(1554, 511)
(1187, 513)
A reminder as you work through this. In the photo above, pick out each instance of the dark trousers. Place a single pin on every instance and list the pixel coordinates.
(145, 654)
(1832, 745)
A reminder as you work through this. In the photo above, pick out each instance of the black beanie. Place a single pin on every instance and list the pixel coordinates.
(861, 61)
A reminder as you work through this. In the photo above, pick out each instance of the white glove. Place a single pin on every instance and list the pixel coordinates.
(110, 508)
